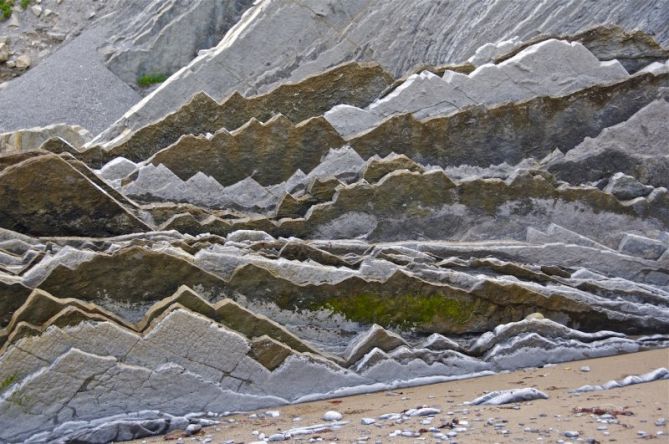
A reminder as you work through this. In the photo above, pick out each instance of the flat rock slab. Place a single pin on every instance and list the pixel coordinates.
(72, 86)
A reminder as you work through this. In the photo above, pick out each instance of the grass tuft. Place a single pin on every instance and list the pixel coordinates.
(150, 79)
(6, 9)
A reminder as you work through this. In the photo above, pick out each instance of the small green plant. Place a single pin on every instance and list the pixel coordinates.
(7, 382)
(6, 9)
(150, 79)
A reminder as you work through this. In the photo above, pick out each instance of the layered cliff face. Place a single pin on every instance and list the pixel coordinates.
(335, 228)
(159, 37)
(310, 36)
(86, 62)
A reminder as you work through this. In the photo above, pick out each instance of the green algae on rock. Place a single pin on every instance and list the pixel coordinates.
(406, 312)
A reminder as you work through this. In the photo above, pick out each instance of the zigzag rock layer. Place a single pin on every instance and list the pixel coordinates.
(331, 214)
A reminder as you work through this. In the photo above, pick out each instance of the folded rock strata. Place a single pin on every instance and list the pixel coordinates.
(152, 183)
(398, 286)
(636, 146)
(185, 340)
(438, 141)
(231, 245)
(549, 68)
(163, 275)
(353, 83)
(383, 210)
(33, 138)
(44, 195)
(634, 49)
(516, 131)
(227, 158)
(313, 36)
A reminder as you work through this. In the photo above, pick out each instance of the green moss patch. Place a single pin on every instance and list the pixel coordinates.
(404, 311)
(6, 9)
(5, 383)
(147, 80)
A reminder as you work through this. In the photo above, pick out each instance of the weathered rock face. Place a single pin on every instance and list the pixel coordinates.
(14, 295)
(160, 183)
(163, 273)
(637, 146)
(255, 150)
(304, 147)
(44, 195)
(162, 37)
(549, 68)
(32, 139)
(418, 284)
(377, 167)
(300, 45)
(345, 231)
(634, 50)
(238, 381)
(431, 206)
(395, 286)
(510, 133)
(102, 51)
(353, 83)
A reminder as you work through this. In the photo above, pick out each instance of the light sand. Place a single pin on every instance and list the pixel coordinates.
(535, 421)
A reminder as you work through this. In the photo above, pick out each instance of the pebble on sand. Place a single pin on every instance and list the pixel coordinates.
(332, 415)
(193, 428)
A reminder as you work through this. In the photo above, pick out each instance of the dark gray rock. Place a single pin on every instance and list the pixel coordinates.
(636, 147)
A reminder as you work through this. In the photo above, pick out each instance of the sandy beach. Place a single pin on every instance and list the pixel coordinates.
(634, 410)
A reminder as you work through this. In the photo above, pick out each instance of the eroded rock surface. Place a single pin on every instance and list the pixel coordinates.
(310, 37)
(161, 37)
(45, 195)
(280, 222)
